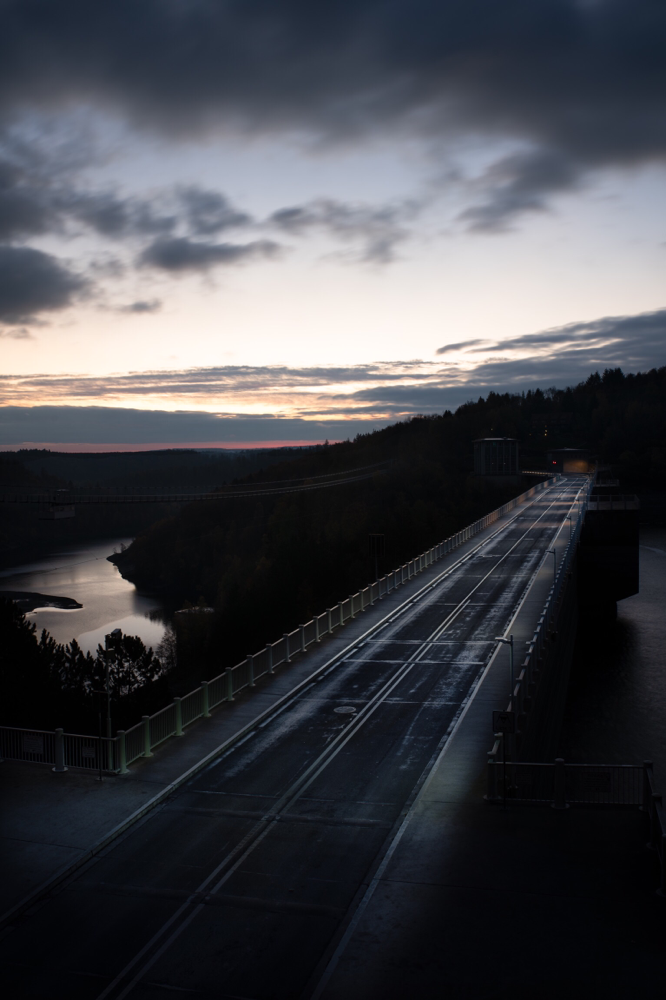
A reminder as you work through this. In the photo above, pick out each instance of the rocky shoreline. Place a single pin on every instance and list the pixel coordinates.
(30, 601)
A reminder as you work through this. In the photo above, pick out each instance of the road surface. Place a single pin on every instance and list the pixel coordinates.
(240, 885)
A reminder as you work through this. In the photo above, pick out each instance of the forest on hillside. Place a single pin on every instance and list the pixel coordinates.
(23, 534)
(266, 564)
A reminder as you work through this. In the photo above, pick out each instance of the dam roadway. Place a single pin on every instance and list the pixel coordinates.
(242, 883)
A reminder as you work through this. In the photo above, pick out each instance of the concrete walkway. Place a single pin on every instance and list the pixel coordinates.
(50, 822)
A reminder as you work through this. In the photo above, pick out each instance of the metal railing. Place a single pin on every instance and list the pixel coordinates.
(140, 740)
(59, 749)
(561, 785)
(654, 806)
(527, 672)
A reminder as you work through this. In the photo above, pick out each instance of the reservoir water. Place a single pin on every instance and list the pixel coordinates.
(85, 574)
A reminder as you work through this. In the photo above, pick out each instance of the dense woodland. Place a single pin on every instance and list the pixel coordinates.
(23, 534)
(266, 564)
(46, 684)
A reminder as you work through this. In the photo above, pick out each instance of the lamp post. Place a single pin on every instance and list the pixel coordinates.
(509, 642)
(112, 642)
(553, 553)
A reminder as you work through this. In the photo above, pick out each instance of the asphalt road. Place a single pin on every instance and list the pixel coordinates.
(240, 884)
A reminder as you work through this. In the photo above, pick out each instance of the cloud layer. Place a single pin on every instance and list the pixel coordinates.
(581, 83)
(310, 404)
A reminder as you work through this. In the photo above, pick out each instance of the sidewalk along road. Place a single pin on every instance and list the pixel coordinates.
(238, 882)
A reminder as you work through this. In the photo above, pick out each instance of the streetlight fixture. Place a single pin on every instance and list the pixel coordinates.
(509, 642)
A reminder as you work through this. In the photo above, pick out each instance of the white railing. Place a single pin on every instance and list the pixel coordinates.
(139, 741)
(59, 749)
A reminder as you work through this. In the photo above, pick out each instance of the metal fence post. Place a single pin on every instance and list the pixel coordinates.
(269, 657)
(647, 785)
(287, 658)
(147, 752)
(655, 826)
(122, 752)
(560, 801)
(492, 777)
(250, 669)
(351, 606)
(329, 619)
(230, 684)
(342, 613)
(59, 752)
(302, 628)
(316, 625)
(205, 700)
(179, 716)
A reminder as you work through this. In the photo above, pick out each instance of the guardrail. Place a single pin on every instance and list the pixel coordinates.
(140, 741)
(561, 785)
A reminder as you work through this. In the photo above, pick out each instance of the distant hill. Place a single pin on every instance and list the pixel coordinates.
(23, 535)
(168, 467)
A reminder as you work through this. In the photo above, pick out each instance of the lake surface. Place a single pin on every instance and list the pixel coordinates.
(85, 574)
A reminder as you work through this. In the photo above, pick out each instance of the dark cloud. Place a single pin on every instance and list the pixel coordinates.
(518, 184)
(583, 83)
(459, 346)
(33, 202)
(643, 331)
(113, 216)
(379, 228)
(24, 209)
(17, 333)
(142, 306)
(32, 282)
(180, 254)
(110, 425)
(209, 212)
(223, 381)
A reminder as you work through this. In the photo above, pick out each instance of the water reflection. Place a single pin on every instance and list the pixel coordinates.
(85, 574)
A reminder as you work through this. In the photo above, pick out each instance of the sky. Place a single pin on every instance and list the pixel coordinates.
(247, 222)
